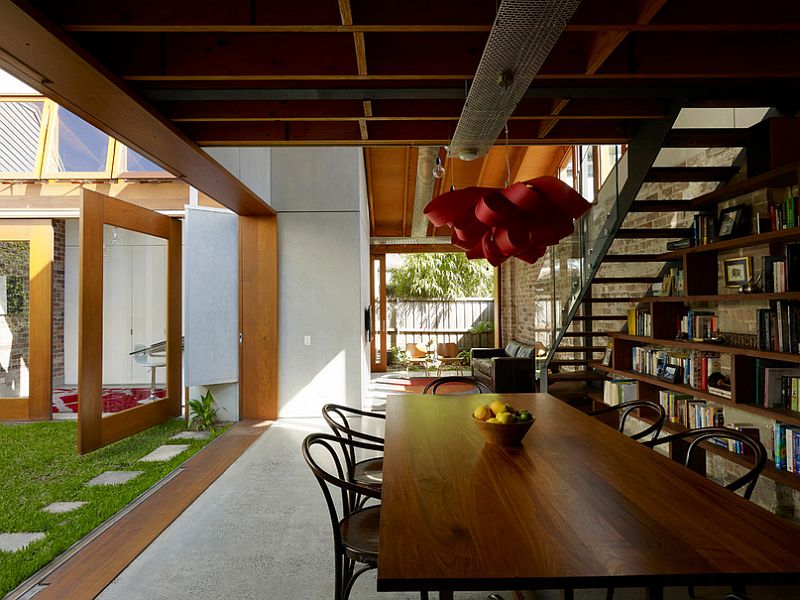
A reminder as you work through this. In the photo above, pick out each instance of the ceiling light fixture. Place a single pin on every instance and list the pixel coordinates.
(438, 168)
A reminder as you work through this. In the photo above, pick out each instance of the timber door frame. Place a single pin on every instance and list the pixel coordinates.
(378, 366)
(37, 405)
(95, 430)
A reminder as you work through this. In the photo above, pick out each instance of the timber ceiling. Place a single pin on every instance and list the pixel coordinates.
(394, 75)
(374, 73)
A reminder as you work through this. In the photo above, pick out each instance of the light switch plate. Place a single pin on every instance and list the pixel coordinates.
(307, 340)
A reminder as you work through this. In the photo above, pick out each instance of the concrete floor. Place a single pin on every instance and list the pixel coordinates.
(261, 531)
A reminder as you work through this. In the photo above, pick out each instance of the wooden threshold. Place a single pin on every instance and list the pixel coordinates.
(87, 572)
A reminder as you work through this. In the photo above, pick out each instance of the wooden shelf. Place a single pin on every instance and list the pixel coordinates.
(783, 415)
(783, 477)
(780, 177)
(759, 297)
(771, 237)
(753, 352)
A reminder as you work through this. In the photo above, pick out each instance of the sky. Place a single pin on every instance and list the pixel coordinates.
(11, 85)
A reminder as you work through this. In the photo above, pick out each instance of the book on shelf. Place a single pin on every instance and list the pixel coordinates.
(703, 230)
(673, 283)
(679, 244)
(699, 324)
(784, 215)
(768, 272)
(750, 431)
(779, 327)
(721, 392)
(617, 391)
(780, 387)
(695, 366)
(792, 267)
(792, 448)
(639, 322)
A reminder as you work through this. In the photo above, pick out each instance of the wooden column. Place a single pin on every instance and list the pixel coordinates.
(258, 317)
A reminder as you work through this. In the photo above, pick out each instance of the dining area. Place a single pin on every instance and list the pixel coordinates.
(421, 500)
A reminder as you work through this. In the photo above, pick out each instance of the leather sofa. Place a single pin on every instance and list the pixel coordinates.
(509, 369)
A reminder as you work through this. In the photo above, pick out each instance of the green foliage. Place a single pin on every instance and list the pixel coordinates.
(441, 277)
(203, 415)
(394, 357)
(464, 356)
(39, 465)
(482, 327)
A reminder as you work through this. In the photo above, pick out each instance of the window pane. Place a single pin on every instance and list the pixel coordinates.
(75, 146)
(14, 318)
(20, 123)
(132, 162)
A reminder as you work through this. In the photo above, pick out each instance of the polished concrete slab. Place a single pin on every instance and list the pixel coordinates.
(164, 453)
(57, 508)
(112, 478)
(262, 531)
(13, 542)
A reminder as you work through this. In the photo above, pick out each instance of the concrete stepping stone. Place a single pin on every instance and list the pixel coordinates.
(164, 453)
(14, 542)
(57, 508)
(113, 478)
(191, 435)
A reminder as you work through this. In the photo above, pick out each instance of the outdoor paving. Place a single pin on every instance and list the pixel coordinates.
(57, 508)
(164, 453)
(112, 478)
(13, 542)
(191, 435)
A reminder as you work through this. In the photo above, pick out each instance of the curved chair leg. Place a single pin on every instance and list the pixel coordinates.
(691, 592)
(355, 575)
(423, 596)
(610, 594)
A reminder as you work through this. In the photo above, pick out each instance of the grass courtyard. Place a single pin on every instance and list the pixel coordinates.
(39, 465)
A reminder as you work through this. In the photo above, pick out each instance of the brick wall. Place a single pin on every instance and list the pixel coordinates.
(15, 269)
(59, 248)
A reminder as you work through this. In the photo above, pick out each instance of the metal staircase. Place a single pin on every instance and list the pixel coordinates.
(610, 279)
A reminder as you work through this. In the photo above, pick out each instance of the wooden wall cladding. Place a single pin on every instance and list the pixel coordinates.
(94, 430)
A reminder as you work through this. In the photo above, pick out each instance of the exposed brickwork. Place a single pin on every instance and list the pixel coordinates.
(14, 323)
(59, 248)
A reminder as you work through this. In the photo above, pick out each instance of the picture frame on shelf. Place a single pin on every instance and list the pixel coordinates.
(731, 222)
(671, 373)
(737, 272)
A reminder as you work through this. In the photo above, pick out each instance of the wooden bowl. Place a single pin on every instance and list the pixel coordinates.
(510, 434)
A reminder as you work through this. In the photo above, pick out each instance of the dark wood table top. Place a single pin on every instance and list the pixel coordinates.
(577, 505)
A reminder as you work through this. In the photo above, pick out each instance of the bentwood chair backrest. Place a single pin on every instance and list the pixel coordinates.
(626, 408)
(442, 383)
(697, 436)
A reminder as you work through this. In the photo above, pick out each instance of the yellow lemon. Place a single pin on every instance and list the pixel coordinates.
(492, 420)
(500, 407)
(482, 413)
(505, 418)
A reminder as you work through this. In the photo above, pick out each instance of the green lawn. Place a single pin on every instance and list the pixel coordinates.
(40, 465)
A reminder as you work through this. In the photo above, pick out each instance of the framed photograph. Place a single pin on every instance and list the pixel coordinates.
(737, 271)
(731, 221)
(671, 373)
(607, 358)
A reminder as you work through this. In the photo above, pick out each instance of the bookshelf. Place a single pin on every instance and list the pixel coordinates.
(661, 318)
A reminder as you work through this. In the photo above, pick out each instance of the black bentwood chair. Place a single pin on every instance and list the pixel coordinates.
(355, 528)
(626, 408)
(747, 481)
(439, 382)
(367, 471)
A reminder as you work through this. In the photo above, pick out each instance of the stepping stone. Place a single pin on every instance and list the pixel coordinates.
(164, 453)
(113, 478)
(14, 542)
(191, 435)
(57, 508)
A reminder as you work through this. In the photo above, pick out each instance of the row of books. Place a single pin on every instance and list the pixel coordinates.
(703, 230)
(779, 327)
(784, 215)
(781, 273)
(786, 447)
(777, 386)
(699, 324)
(673, 284)
(617, 391)
(695, 366)
(688, 411)
(639, 322)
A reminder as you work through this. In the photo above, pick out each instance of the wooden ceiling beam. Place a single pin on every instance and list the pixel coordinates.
(433, 28)
(36, 52)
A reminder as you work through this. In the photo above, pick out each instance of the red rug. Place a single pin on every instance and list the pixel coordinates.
(116, 399)
(395, 384)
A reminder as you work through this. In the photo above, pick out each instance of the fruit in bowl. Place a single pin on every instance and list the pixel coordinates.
(501, 424)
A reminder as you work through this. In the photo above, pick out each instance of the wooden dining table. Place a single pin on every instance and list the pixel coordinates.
(576, 505)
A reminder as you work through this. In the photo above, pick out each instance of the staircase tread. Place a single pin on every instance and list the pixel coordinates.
(663, 206)
(629, 258)
(580, 349)
(577, 376)
(711, 137)
(676, 174)
(586, 334)
(609, 300)
(654, 232)
(601, 318)
(626, 279)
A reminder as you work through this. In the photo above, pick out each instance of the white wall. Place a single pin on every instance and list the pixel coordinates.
(323, 250)
(318, 194)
